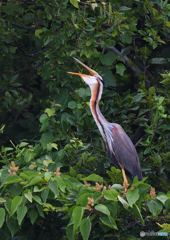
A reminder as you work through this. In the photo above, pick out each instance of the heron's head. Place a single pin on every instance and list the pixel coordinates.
(92, 79)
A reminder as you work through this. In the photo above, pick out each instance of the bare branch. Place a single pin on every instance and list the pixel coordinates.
(138, 135)
(23, 69)
(22, 26)
(136, 70)
(31, 54)
(137, 67)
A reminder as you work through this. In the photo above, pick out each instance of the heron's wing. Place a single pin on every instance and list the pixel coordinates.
(125, 152)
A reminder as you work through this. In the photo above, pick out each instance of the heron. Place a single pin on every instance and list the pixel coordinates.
(119, 146)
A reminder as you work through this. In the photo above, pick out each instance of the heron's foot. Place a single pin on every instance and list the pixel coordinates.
(125, 186)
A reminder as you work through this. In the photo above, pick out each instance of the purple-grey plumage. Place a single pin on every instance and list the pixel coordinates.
(119, 146)
(124, 152)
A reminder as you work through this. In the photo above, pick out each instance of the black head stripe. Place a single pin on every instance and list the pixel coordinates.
(101, 80)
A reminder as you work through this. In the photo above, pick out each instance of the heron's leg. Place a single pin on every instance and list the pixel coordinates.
(125, 183)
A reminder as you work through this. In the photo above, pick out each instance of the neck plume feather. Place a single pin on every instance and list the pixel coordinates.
(96, 93)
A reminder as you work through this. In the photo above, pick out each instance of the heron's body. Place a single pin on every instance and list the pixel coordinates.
(119, 146)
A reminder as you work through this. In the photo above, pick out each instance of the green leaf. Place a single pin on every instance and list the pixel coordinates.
(142, 32)
(15, 203)
(44, 195)
(77, 216)
(155, 206)
(143, 188)
(38, 32)
(5, 149)
(72, 104)
(2, 200)
(47, 175)
(108, 59)
(2, 216)
(37, 199)
(82, 199)
(49, 111)
(61, 97)
(89, 28)
(72, 172)
(108, 76)
(108, 221)
(40, 210)
(8, 205)
(12, 49)
(162, 198)
(12, 179)
(46, 138)
(124, 203)
(132, 196)
(97, 196)
(102, 208)
(112, 208)
(137, 214)
(126, 37)
(84, 92)
(14, 78)
(5, 49)
(16, 190)
(23, 144)
(167, 204)
(21, 212)
(11, 8)
(92, 19)
(70, 231)
(124, 8)
(137, 98)
(28, 155)
(46, 72)
(93, 177)
(120, 68)
(54, 187)
(109, 196)
(54, 145)
(117, 186)
(61, 184)
(152, 91)
(33, 216)
(44, 118)
(28, 174)
(34, 181)
(85, 228)
(12, 224)
(74, 3)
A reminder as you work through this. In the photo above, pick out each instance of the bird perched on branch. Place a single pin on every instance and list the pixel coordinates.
(119, 146)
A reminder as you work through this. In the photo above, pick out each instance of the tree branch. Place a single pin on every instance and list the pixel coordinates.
(23, 69)
(138, 135)
(137, 68)
(19, 114)
(21, 26)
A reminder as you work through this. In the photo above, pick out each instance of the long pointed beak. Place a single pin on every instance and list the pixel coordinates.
(92, 72)
(79, 74)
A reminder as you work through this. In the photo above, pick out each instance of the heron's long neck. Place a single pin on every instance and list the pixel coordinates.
(96, 93)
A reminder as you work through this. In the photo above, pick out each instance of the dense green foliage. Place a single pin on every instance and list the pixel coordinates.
(50, 145)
